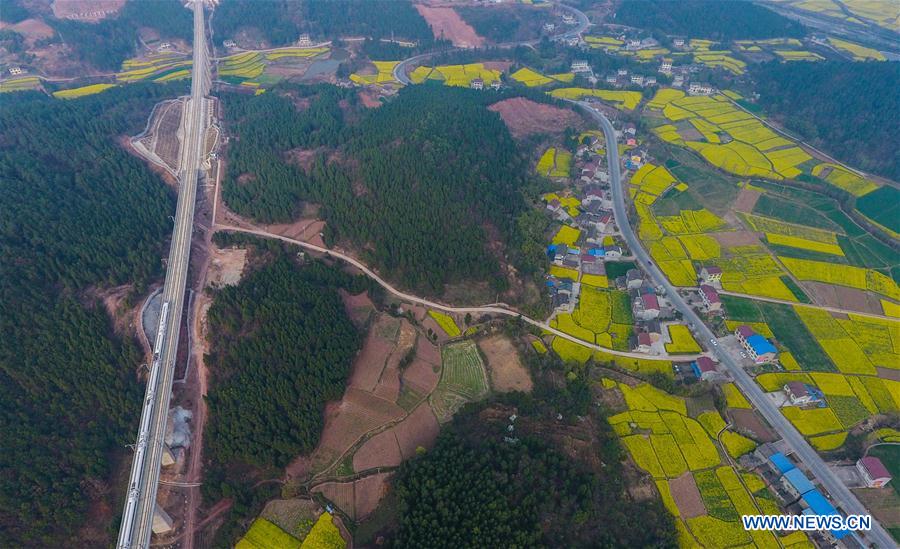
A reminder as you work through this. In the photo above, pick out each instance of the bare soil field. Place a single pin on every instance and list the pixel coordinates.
(686, 496)
(731, 239)
(368, 493)
(888, 373)
(32, 30)
(429, 352)
(884, 503)
(506, 370)
(420, 428)
(340, 494)
(843, 297)
(304, 229)
(524, 117)
(381, 450)
(446, 23)
(86, 10)
(288, 513)
(421, 376)
(747, 419)
(226, 266)
(746, 200)
(430, 324)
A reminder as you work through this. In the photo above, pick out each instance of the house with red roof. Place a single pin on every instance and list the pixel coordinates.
(710, 298)
(873, 471)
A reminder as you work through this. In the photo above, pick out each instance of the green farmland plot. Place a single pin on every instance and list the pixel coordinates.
(463, 379)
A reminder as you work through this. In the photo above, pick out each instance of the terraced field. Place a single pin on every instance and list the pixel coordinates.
(463, 379)
(602, 317)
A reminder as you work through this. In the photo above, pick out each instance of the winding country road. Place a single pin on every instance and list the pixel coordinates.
(493, 308)
(839, 492)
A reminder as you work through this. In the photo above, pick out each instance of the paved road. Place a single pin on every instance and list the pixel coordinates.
(840, 494)
(493, 308)
(140, 506)
(400, 69)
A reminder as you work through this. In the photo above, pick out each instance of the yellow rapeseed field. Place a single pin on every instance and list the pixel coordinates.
(75, 93)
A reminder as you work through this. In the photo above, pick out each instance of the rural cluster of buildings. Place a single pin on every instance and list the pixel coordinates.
(798, 494)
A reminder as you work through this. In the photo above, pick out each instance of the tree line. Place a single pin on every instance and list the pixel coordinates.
(79, 214)
(847, 108)
(711, 19)
(280, 22)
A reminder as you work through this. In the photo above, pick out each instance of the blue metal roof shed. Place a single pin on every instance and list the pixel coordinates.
(761, 345)
(781, 462)
(799, 481)
(818, 505)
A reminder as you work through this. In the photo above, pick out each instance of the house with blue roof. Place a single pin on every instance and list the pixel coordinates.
(781, 463)
(796, 483)
(758, 347)
(816, 504)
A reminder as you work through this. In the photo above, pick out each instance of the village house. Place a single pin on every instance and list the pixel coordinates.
(697, 88)
(650, 81)
(666, 66)
(613, 252)
(549, 27)
(873, 472)
(678, 42)
(612, 79)
(495, 85)
(704, 368)
(795, 483)
(632, 44)
(16, 71)
(580, 66)
(758, 347)
(633, 279)
(622, 72)
(229, 43)
(710, 298)
(630, 129)
(304, 41)
(802, 394)
(711, 275)
(644, 342)
(646, 307)
(591, 264)
(637, 79)
(677, 81)
(568, 19)
(477, 84)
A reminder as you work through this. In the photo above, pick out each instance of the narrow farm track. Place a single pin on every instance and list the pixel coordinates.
(492, 308)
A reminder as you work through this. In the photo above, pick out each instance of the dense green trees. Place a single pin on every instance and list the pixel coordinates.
(109, 42)
(280, 22)
(78, 213)
(414, 184)
(281, 345)
(476, 489)
(847, 108)
(714, 19)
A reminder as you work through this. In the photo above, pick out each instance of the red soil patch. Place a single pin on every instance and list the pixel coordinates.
(388, 386)
(305, 158)
(369, 100)
(356, 414)
(381, 450)
(446, 23)
(749, 421)
(368, 493)
(524, 117)
(507, 371)
(33, 29)
(428, 352)
(501, 66)
(370, 362)
(686, 496)
(358, 307)
(888, 373)
(746, 200)
(340, 494)
(419, 429)
(430, 323)
(731, 239)
(843, 297)
(421, 376)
